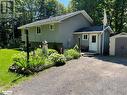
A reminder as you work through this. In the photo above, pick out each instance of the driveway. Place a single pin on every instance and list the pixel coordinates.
(85, 76)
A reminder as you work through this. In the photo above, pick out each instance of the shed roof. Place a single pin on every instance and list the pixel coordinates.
(57, 19)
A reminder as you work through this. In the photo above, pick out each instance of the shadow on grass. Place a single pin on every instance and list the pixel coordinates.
(113, 59)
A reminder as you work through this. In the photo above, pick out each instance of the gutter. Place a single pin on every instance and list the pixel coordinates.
(35, 25)
(85, 32)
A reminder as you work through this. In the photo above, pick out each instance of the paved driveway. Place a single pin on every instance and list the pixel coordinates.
(85, 76)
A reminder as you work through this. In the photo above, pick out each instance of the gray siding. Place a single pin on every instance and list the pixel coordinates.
(46, 34)
(63, 32)
(106, 42)
(68, 27)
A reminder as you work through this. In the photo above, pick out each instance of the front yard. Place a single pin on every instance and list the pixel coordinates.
(15, 61)
(7, 78)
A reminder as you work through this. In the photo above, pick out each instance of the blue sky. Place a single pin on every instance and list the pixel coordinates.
(65, 2)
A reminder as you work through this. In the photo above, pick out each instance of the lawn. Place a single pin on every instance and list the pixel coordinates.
(7, 78)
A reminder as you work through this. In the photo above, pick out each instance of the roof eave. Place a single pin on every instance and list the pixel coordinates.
(109, 28)
(35, 25)
(90, 32)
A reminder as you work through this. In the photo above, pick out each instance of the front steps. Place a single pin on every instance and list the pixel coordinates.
(88, 54)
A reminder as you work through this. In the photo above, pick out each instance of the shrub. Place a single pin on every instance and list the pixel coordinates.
(38, 52)
(36, 63)
(71, 54)
(20, 59)
(76, 47)
(51, 51)
(58, 59)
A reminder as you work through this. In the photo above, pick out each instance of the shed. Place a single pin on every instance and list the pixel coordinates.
(118, 44)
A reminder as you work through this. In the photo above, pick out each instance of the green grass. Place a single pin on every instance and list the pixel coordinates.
(7, 78)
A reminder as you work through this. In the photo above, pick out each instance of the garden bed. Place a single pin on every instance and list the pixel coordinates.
(41, 60)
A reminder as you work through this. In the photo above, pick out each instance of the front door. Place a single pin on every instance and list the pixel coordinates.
(93, 42)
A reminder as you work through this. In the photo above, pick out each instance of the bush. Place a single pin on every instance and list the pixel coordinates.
(20, 65)
(71, 54)
(76, 47)
(20, 59)
(51, 51)
(58, 59)
(39, 52)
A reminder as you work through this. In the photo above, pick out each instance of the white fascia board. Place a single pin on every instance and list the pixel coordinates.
(88, 32)
(34, 25)
(108, 28)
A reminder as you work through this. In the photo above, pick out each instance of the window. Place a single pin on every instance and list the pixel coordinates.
(94, 39)
(51, 27)
(85, 37)
(6, 7)
(38, 30)
(10, 6)
(3, 7)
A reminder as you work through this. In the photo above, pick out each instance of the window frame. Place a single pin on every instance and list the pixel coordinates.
(53, 27)
(94, 40)
(83, 37)
(38, 32)
(6, 7)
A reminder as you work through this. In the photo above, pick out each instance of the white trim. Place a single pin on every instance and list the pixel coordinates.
(108, 28)
(85, 32)
(37, 24)
(83, 36)
(37, 29)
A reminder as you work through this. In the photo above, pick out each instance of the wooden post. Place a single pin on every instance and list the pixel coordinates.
(79, 44)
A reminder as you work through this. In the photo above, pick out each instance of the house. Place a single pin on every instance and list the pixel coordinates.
(118, 45)
(69, 30)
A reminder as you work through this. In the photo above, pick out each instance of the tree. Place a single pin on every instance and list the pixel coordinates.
(116, 11)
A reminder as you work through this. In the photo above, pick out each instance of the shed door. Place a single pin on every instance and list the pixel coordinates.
(121, 46)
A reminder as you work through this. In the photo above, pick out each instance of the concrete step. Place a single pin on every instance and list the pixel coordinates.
(88, 54)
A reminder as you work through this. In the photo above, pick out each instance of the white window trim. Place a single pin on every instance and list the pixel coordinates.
(83, 36)
(53, 27)
(37, 31)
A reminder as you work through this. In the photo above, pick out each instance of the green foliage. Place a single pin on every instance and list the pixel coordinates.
(71, 54)
(58, 59)
(116, 11)
(36, 60)
(20, 59)
(76, 47)
(35, 64)
(5, 61)
(51, 51)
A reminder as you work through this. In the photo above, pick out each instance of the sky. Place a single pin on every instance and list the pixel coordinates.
(65, 2)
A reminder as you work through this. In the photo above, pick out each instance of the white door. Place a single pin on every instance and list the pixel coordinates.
(93, 40)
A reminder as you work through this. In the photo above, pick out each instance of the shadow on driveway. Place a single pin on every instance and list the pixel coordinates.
(113, 59)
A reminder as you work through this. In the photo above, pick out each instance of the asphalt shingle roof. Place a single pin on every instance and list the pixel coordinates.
(56, 19)
(90, 29)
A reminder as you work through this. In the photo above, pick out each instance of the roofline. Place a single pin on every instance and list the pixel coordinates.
(119, 34)
(85, 32)
(23, 27)
(83, 12)
(108, 28)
